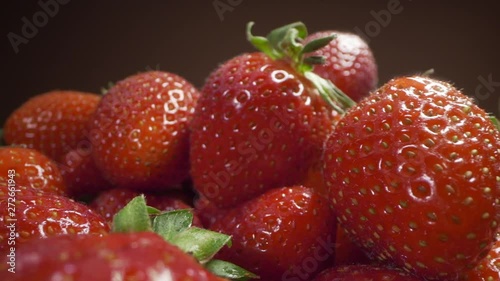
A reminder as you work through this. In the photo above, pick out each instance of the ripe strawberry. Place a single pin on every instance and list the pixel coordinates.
(488, 269)
(83, 179)
(53, 123)
(282, 234)
(45, 215)
(413, 173)
(261, 121)
(346, 251)
(349, 63)
(140, 131)
(25, 167)
(142, 256)
(364, 273)
(109, 202)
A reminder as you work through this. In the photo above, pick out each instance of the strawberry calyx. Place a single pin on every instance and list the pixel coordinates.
(285, 43)
(176, 228)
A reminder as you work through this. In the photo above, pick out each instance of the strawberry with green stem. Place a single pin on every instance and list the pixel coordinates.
(168, 247)
(413, 173)
(349, 63)
(262, 118)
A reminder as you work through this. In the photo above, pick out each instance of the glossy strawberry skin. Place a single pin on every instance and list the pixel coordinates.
(81, 176)
(142, 256)
(258, 125)
(488, 269)
(45, 215)
(140, 132)
(364, 273)
(274, 234)
(30, 168)
(109, 202)
(413, 170)
(349, 63)
(53, 123)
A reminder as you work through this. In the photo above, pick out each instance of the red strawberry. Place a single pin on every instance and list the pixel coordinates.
(140, 131)
(45, 215)
(413, 172)
(83, 179)
(282, 234)
(24, 167)
(488, 269)
(142, 256)
(364, 273)
(349, 63)
(346, 251)
(53, 123)
(260, 123)
(109, 202)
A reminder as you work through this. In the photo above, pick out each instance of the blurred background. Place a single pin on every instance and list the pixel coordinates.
(83, 45)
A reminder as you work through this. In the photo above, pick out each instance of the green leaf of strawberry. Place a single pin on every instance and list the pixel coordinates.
(176, 228)
(171, 223)
(229, 270)
(201, 243)
(133, 217)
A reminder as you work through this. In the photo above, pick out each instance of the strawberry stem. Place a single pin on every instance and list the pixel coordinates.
(285, 43)
(176, 228)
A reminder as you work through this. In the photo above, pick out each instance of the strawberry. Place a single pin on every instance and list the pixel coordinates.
(282, 234)
(139, 131)
(412, 170)
(109, 202)
(349, 63)
(142, 256)
(261, 120)
(53, 123)
(364, 273)
(83, 179)
(44, 215)
(346, 251)
(25, 167)
(488, 269)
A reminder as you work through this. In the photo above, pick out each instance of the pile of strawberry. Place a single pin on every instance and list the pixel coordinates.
(288, 164)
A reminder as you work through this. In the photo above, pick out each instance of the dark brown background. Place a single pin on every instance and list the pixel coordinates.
(88, 43)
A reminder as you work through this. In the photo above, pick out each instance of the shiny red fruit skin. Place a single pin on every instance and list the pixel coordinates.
(30, 168)
(109, 202)
(142, 256)
(412, 170)
(45, 215)
(364, 273)
(53, 123)
(258, 125)
(349, 63)
(488, 269)
(140, 132)
(82, 177)
(279, 234)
